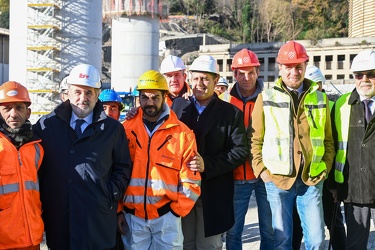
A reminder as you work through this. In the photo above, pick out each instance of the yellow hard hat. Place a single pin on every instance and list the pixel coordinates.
(152, 79)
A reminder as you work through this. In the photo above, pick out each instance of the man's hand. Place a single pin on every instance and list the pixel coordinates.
(196, 163)
(187, 94)
(121, 223)
(265, 177)
(131, 113)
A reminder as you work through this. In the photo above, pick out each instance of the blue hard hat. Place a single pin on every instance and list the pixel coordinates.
(109, 95)
(135, 92)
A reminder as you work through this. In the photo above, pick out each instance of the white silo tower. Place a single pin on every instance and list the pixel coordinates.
(361, 18)
(135, 40)
(47, 39)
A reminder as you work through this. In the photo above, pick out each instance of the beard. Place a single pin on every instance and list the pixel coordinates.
(366, 90)
(82, 110)
(152, 110)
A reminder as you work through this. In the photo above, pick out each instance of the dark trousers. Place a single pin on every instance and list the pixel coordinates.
(358, 225)
(337, 232)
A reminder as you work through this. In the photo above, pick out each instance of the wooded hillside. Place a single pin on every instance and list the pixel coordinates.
(267, 20)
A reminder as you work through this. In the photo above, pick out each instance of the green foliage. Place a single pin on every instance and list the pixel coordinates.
(4, 14)
(4, 19)
(268, 20)
(4, 5)
(246, 22)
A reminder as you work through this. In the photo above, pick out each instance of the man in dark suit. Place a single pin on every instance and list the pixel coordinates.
(222, 143)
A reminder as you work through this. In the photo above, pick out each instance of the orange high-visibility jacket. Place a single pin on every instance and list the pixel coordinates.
(160, 176)
(21, 223)
(245, 171)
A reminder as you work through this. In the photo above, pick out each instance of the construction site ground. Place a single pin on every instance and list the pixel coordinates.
(251, 237)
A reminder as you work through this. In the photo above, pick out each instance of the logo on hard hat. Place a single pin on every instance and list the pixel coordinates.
(246, 59)
(12, 93)
(292, 54)
(83, 76)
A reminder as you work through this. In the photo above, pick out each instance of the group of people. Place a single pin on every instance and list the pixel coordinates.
(179, 172)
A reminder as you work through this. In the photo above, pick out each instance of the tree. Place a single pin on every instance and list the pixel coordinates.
(269, 20)
(246, 22)
(4, 14)
(276, 20)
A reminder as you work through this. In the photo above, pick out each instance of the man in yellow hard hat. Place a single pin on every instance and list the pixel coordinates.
(21, 156)
(174, 71)
(164, 185)
(292, 148)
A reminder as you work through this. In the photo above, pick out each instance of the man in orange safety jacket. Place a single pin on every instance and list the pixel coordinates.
(245, 66)
(21, 224)
(164, 184)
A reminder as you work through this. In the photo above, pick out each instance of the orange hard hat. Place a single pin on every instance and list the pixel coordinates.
(245, 58)
(14, 92)
(292, 52)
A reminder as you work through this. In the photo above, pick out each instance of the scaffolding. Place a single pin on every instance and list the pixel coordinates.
(43, 54)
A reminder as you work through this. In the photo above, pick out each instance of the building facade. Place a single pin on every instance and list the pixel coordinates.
(333, 56)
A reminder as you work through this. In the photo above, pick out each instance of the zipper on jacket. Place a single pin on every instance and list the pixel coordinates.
(198, 118)
(136, 139)
(312, 117)
(166, 140)
(244, 171)
(146, 179)
(19, 158)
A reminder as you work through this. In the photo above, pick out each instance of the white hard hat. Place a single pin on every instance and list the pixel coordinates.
(222, 82)
(84, 75)
(171, 64)
(63, 84)
(313, 73)
(205, 63)
(365, 60)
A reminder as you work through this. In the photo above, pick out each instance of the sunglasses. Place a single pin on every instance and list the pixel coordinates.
(369, 75)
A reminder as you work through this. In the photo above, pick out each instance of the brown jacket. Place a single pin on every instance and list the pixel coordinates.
(301, 144)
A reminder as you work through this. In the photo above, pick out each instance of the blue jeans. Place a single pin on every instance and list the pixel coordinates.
(309, 206)
(242, 193)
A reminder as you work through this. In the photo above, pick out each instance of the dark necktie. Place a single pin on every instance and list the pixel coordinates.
(295, 99)
(368, 113)
(77, 128)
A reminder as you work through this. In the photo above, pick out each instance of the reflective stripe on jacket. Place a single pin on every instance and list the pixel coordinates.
(278, 140)
(20, 206)
(160, 177)
(342, 116)
(245, 171)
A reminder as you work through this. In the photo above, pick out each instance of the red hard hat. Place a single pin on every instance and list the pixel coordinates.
(292, 52)
(245, 58)
(14, 92)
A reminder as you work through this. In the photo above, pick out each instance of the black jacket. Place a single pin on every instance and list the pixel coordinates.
(221, 140)
(359, 169)
(82, 179)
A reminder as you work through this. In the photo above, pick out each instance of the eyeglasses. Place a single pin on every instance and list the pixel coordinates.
(369, 75)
